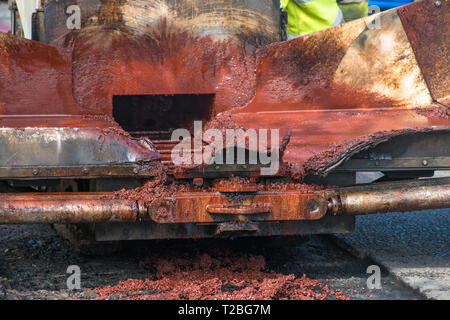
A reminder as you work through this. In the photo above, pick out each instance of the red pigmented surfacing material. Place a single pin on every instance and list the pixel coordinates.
(225, 276)
(150, 191)
(34, 78)
(442, 112)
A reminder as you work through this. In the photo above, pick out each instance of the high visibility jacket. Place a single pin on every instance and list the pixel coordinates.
(307, 16)
(354, 9)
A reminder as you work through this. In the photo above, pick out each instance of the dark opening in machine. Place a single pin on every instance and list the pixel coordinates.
(159, 113)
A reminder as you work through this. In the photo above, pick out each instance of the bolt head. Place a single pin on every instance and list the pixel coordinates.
(437, 3)
(198, 181)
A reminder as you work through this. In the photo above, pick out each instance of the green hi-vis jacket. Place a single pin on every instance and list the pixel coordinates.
(354, 9)
(308, 16)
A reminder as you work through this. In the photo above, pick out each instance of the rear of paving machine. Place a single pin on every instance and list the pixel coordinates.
(91, 105)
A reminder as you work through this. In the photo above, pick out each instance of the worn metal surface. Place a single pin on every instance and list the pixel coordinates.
(381, 61)
(427, 26)
(217, 171)
(68, 147)
(207, 207)
(88, 148)
(350, 66)
(163, 47)
(131, 60)
(80, 171)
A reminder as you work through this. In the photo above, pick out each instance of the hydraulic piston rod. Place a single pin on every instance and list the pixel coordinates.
(391, 197)
(66, 208)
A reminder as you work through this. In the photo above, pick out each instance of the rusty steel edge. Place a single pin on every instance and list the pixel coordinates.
(216, 207)
(129, 170)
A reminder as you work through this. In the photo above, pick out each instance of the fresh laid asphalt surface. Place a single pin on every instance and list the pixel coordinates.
(413, 246)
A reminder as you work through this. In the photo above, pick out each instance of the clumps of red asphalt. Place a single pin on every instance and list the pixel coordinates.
(150, 191)
(224, 276)
(435, 112)
(161, 188)
(291, 186)
(222, 121)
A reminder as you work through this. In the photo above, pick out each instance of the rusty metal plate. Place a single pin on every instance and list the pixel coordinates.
(152, 230)
(207, 207)
(80, 171)
(139, 47)
(349, 66)
(320, 140)
(70, 146)
(427, 25)
(381, 61)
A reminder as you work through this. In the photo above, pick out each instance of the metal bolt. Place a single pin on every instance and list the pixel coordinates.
(425, 162)
(313, 208)
(135, 170)
(35, 171)
(198, 181)
(85, 171)
(437, 3)
(162, 212)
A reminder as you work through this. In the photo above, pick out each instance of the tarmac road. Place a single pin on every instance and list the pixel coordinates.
(413, 246)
